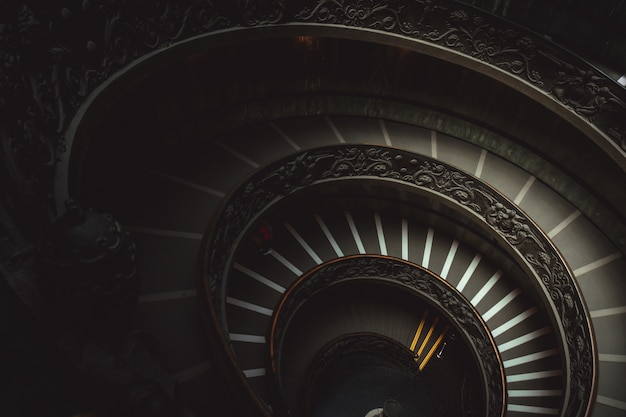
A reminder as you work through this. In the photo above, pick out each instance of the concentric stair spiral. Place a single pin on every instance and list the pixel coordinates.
(167, 208)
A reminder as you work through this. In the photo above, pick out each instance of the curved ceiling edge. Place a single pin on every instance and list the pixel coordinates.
(107, 94)
(577, 94)
(510, 224)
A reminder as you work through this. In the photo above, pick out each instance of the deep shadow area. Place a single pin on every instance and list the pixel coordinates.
(37, 380)
(358, 383)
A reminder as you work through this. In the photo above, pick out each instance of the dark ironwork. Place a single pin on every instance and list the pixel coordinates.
(436, 291)
(496, 212)
(54, 55)
(87, 270)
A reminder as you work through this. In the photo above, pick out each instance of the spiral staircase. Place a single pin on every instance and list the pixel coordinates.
(329, 217)
(357, 220)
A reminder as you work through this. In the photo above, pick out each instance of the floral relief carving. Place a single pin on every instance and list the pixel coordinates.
(579, 87)
(372, 14)
(515, 228)
(461, 30)
(572, 316)
(46, 74)
(53, 56)
(338, 162)
(358, 161)
(583, 91)
(355, 162)
(439, 178)
(479, 38)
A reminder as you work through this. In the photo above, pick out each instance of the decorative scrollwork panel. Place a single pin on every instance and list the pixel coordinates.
(54, 56)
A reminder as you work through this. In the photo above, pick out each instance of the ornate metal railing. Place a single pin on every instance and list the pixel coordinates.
(55, 54)
(476, 199)
(408, 277)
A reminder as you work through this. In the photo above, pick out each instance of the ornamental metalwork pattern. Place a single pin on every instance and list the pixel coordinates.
(437, 292)
(335, 163)
(363, 13)
(53, 55)
(584, 91)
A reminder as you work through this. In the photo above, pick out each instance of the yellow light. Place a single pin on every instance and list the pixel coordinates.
(419, 330)
(433, 348)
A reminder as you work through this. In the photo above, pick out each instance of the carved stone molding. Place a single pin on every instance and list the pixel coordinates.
(411, 278)
(494, 211)
(441, 23)
(53, 55)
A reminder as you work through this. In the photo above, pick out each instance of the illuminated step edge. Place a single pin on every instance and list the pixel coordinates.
(531, 376)
(513, 322)
(525, 393)
(520, 196)
(252, 373)
(280, 258)
(596, 264)
(355, 233)
(332, 126)
(303, 243)
(249, 306)
(605, 312)
(248, 338)
(193, 371)
(468, 272)
(609, 357)
(258, 277)
(284, 136)
(163, 232)
(561, 226)
(530, 358)
(328, 235)
(611, 402)
(236, 154)
(449, 259)
(481, 163)
(530, 409)
(405, 239)
(523, 339)
(485, 289)
(380, 233)
(428, 246)
(501, 304)
(385, 132)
